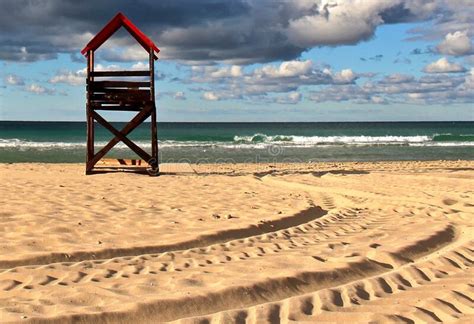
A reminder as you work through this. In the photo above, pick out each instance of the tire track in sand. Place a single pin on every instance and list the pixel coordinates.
(331, 274)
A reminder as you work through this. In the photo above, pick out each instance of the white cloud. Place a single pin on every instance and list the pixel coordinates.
(416, 95)
(127, 54)
(179, 95)
(210, 96)
(332, 22)
(378, 100)
(38, 89)
(469, 80)
(78, 78)
(13, 79)
(140, 66)
(71, 78)
(345, 76)
(214, 72)
(232, 71)
(443, 66)
(456, 44)
(339, 93)
(397, 78)
(431, 89)
(286, 83)
(110, 67)
(291, 98)
(286, 69)
(262, 83)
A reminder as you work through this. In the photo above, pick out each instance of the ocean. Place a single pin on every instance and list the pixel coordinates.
(59, 142)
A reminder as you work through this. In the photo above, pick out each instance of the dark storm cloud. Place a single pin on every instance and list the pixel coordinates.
(206, 31)
(396, 14)
(33, 30)
(91, 15)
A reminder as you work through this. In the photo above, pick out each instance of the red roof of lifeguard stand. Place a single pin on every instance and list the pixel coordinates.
(118, 21)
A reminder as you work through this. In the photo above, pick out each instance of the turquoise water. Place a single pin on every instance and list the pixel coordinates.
(248, 142)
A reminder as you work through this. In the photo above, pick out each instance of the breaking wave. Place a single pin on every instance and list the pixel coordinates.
(324, 140)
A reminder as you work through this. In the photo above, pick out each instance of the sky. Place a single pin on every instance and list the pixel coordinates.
(248, 60)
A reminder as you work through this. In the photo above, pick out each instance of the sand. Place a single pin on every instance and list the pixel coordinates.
(322, 242)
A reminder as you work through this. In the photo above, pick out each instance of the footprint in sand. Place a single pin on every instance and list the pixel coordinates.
(449, 201)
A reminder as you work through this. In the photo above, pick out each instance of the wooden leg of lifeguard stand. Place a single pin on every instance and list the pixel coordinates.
(90, 117)
(154, 145)
(90, 140)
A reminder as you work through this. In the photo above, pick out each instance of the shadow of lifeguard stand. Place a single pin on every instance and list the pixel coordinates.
(121, 94)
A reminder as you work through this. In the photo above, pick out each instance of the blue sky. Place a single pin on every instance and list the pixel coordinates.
(419, 68)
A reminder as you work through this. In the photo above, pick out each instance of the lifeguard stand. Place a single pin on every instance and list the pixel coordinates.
(113, 91)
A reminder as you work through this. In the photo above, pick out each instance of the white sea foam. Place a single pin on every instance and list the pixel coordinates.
(257, 141)
(315, 140)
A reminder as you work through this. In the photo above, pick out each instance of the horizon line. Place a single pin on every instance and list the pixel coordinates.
(254, 122)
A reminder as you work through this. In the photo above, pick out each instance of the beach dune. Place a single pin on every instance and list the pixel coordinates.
(243, 243)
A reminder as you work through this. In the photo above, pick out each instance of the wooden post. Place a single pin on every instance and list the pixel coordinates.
(154, 136)
(90, 118)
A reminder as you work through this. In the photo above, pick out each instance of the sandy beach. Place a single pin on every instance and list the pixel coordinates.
(243, 243)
